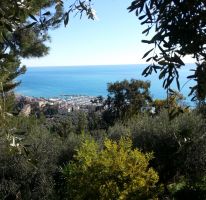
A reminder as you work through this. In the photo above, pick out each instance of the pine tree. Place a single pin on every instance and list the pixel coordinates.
(24, 29)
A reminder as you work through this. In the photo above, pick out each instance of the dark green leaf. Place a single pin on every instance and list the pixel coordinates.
(141, 5)
(151, 4)
(178, 84)
(191, 76)
(142, 17)
(163, 62)
(161, 49)
(148, 13)
(147, 53)
(171, 91)
(178, 60)
(193, 98)
(146, 41)
(66, 18)
(162, 74)
(146, 30)
(168, 82)
(149, 59)
(132, 8)
(144, 73)
(47, 13)
(192, 90)
(34, 18)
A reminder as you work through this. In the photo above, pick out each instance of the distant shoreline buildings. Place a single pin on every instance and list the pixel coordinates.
(56, 105)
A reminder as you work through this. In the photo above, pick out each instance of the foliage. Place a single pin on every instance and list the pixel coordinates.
(31, 20)
(98, 100)
(118, 130)
(126, 98)
(27, 163)
(199, 77)
(82, 122)
(32, 150)
(114, 172)
(191, 191)
(29, 167)
(61, 125)
(173, 103)
(9, 70)
(95, 121)
(179, 30)
(178, 144)
(16, 40)
(24, 27)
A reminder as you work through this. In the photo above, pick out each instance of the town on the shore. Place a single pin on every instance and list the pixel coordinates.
(58, 105)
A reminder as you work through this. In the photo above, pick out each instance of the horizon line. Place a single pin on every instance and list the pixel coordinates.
(87, 65)
(92, 65)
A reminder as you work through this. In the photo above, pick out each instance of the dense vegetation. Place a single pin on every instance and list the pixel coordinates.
(115, 172)
(57, 158)
(124, 150)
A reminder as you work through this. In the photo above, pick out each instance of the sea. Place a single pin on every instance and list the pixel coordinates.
(92, 80)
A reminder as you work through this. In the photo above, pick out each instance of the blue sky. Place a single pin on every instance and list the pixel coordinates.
(115, 38)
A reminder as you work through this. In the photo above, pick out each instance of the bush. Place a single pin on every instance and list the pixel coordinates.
(30, 170)
(178, 145)
(27, 170)
(117, 131)
(114, 172)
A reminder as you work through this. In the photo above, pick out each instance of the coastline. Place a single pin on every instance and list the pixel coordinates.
(64, 105)
(50, 82)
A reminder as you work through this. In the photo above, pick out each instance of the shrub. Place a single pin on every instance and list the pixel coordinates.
(118, 130)
(178, 144)
(114, 172)
(29, 169)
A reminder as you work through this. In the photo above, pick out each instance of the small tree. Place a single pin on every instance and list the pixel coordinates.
(114, 172)
(126, 98)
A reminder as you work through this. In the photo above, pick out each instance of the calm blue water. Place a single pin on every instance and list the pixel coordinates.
(88, 80)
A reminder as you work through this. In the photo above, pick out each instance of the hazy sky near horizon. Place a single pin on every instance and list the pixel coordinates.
(115, 38)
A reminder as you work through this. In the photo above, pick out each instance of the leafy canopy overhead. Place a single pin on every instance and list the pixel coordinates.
(24, 24)
(179, 29)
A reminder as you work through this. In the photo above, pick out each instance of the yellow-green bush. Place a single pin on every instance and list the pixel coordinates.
(115, 171)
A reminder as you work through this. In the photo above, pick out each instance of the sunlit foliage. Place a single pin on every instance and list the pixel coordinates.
(115, 171)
